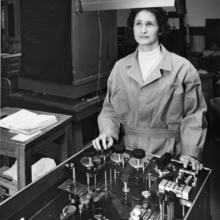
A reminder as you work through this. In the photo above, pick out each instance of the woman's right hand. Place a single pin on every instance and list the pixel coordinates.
(103, 142)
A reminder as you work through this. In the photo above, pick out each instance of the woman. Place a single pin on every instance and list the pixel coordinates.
(156, 95)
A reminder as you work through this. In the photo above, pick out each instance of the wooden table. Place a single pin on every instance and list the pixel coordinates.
(84, 112)
(22, 151)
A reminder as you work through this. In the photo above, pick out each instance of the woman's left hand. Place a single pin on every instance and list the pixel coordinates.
(186, 160)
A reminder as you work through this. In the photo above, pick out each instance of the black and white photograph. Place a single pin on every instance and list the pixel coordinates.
(110, 110)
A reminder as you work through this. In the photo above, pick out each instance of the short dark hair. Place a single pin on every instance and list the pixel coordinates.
(161, 17)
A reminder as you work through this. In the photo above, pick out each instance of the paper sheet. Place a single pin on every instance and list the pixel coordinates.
(27, 122)
(24, 137)
(38, 169)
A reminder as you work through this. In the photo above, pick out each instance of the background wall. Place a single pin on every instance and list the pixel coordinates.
(197, 12)
(122, 17)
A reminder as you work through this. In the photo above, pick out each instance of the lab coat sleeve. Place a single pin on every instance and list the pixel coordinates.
(193, 127)
(108, 119)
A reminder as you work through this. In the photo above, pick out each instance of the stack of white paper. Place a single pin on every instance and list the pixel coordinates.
(27, 122)
(39, 168)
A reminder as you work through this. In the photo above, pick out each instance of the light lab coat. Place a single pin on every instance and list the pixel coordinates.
(163, 114)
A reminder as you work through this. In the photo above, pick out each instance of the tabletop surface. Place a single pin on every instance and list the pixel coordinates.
(7, 135)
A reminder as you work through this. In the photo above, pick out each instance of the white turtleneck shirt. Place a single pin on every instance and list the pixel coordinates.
(148, 61)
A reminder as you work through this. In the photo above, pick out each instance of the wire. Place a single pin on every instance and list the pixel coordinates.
(100, 55)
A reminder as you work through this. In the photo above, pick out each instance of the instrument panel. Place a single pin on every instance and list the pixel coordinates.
(114, 184)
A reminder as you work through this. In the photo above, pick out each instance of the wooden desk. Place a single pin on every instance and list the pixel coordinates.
(22, 151)
(83, 111)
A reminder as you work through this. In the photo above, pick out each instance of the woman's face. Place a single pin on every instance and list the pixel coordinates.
(146, 30)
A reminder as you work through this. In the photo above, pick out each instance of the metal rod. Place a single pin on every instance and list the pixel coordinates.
(106, 185)
(110, 176)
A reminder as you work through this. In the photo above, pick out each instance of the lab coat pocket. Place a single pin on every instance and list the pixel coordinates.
(120, 102)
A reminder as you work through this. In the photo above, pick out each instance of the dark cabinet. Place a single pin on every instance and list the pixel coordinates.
(207, 81)
(65, 52)
(176, 40)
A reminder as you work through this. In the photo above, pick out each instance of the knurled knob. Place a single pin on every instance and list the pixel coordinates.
(91, 153)
(138, 153)
(164, 160)
(118, 148)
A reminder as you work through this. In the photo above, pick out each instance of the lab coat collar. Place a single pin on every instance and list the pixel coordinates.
(165, 63)
(135, 72)
(134, 69)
